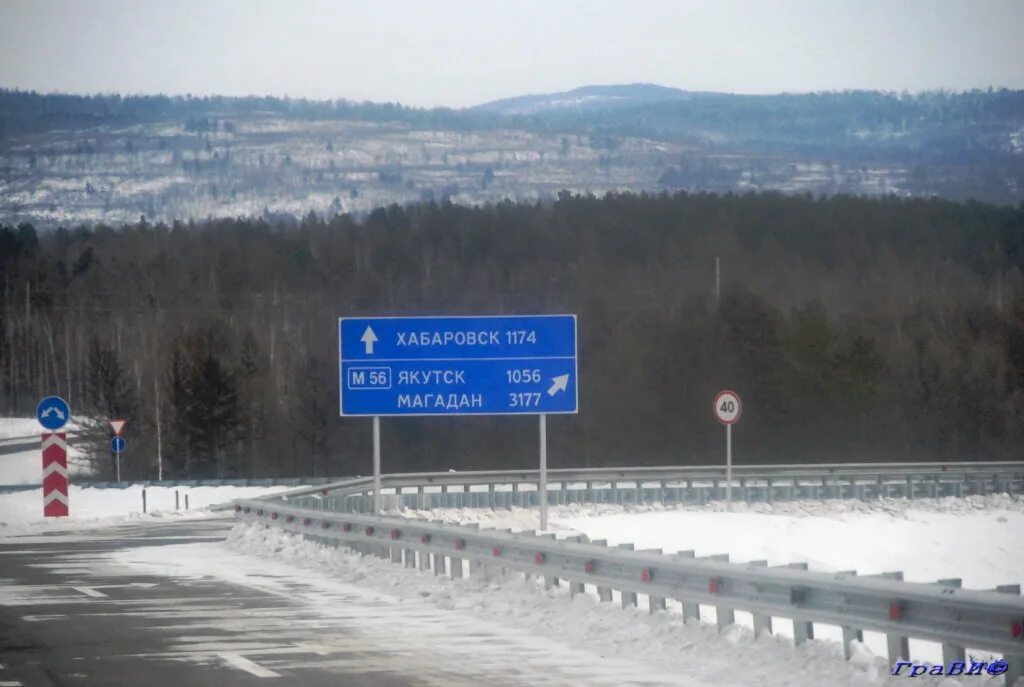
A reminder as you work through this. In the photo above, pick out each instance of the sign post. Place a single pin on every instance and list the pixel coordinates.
(728, 409)
(53, 413)
(543, 471)
(477, 365)
(117, 445)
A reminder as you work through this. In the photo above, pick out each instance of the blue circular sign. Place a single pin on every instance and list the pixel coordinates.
(53, 412)
(117, 444)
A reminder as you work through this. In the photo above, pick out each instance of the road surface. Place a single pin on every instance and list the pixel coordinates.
(168, 603)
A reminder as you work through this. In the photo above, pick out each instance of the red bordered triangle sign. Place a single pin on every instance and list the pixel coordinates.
(118, 426)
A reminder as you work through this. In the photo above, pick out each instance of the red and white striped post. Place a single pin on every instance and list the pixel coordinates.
(55, 474)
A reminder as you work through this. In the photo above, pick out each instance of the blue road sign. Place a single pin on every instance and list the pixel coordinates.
(515, 365)
(53, 413)
(117, 444)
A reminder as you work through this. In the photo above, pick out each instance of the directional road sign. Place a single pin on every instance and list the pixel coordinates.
(117, 444)
(524, 364)
(53, 412)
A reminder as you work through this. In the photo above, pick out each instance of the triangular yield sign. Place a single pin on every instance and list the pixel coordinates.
(117, 426)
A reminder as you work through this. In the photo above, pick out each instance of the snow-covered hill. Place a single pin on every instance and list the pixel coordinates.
(589, 98)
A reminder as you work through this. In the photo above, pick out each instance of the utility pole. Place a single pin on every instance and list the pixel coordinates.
(718, 283)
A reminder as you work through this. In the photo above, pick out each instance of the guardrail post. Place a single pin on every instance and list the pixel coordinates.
(802, 629)
(654, 603)
(628, 598)
(691, 609)
(952, 652)
(603, 593)
(439, 564)
(762, 623)
(726, 616)
(395, 553)
(550, 580)
(910, 493)
(410, 558)
(898, 645)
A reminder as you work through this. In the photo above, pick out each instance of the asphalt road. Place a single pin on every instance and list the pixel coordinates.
(68, 618)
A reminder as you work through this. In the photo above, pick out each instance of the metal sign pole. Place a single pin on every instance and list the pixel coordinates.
(543, 471)
(376, 465)
(117, 453)
(728, 467)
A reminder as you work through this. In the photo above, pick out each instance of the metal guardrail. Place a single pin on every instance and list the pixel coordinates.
(672, 484)
(261, 482)
(942, 612)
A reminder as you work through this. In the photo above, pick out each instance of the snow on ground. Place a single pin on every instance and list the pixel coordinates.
(976, 538)
(22, 511)
(663, 648)
(26, 467)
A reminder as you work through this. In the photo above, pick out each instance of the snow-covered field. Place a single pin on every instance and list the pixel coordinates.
(976, 538)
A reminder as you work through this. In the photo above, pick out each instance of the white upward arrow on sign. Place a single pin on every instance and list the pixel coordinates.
(369, 338)
(117, 426)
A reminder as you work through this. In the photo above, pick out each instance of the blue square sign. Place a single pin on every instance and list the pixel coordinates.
(503, 365)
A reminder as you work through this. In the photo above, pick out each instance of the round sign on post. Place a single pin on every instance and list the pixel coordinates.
(117, 444)
(53, 412)
(728, 407)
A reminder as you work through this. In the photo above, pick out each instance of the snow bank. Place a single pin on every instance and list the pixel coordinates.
(694, 649)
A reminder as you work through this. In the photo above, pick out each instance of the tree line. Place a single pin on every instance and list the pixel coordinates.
(855, 329)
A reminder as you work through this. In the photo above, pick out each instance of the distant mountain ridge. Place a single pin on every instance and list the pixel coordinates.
(586, 98)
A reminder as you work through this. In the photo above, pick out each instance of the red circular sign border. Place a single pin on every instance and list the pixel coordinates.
(739, 414)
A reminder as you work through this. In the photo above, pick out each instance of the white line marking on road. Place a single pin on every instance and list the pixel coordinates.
(9, 683)
(89, 591)
(242, 663)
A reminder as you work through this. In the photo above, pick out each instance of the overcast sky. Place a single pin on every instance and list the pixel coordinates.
(465, 52)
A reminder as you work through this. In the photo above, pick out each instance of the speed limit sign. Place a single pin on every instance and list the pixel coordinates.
(728, 407)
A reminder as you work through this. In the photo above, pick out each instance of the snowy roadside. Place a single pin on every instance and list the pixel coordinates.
(976, 538)
(21, 512)
(695, 649)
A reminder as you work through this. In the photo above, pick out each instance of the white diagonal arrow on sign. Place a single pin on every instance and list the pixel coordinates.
(55, 496)
(561, 383)
(369, 338)
(55, 467)
(54, 439)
